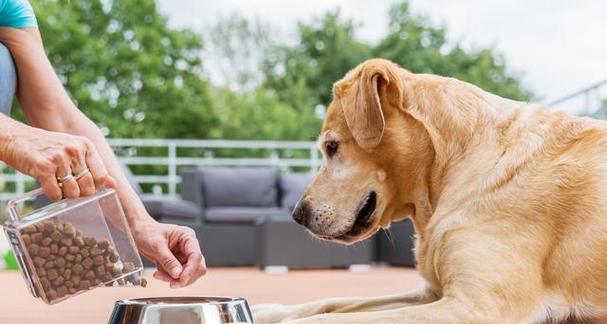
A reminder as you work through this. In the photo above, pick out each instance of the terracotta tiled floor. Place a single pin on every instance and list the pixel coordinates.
(17, 306)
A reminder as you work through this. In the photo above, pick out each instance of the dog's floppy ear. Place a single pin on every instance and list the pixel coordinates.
(360, 96)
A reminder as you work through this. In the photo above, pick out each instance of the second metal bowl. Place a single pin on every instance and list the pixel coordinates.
(182, 310)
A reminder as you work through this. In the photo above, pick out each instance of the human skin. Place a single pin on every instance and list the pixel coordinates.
(59, 140)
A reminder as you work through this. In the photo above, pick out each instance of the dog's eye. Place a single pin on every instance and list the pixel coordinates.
(331, 147)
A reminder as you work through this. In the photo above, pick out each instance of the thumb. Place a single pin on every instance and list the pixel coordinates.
(168, 262)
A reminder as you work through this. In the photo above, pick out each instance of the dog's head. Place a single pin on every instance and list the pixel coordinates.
(372, 150)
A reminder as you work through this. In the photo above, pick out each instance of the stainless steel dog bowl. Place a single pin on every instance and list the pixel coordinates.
(181, 310)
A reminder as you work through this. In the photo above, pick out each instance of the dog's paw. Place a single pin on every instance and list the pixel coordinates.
(272, 313)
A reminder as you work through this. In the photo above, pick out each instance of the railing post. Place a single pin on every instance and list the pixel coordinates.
(314, 163)
(275, 158)
(20, 183)
(172, 169)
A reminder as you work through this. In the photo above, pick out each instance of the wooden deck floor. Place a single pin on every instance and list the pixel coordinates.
(19, 307)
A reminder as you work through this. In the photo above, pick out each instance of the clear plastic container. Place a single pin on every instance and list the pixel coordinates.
(73, 245)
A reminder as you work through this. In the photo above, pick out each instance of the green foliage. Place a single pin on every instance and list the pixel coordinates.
(126, 69)
(415, 44)
(260, 115)
(328, 48)
(137, 77)
(235, 50)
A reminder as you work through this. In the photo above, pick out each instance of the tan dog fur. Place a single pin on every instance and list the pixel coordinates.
(508, 199)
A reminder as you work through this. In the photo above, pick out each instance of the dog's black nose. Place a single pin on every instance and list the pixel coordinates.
(300, 213)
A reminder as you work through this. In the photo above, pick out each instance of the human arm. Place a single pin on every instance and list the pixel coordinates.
(47, 107)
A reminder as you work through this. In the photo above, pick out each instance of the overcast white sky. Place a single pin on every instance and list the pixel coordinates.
(558, 46)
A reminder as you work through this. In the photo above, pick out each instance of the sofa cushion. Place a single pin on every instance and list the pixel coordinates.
(292, 186)
(242, 214)
(168, 209)
(240, 187)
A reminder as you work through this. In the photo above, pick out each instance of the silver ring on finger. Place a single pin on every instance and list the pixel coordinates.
(65, 179)
(81, 173)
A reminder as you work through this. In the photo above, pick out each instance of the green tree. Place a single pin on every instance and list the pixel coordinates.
(415, 44)
(259, 114)
(303, 74)
(326, 50)
(126, 69)
(235, 48)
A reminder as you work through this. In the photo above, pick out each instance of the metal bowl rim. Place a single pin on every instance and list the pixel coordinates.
(183, 300)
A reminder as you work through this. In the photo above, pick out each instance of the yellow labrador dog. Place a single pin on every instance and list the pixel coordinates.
(508, 199)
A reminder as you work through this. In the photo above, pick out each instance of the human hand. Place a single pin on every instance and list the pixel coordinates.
(173, 249)
(65, 165)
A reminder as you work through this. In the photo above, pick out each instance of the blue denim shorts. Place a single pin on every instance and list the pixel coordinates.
(8, 80)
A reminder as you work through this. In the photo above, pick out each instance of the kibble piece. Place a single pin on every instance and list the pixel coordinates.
(59, 281)
(70, 258)
(54, 248)
(36, 237)
(34, 249)
(128, 267)
(52, 294)
(27, 239)
(116, 272)
(79, 241)
(41, 272)
(96, 282)
(100, 270)
(61, 291)
(114, 256)
(78, 268)
(69, 265)
(96, 251)
(68, 273)
(84, 284)
(52, 274)
(85, 252)
(142, 282)
(106, 277)
(87, 263)
(44, 252)
(62, 250)
(66, 241)
(51, 257)
(73, 249)
(60, 262)
(61, 270)
(47, 241)
(104, 244)
(72, 290)
(56, 236)
(39, 261)
(68, 284)
(78, 258)
(45, 283)
(76, 280)
(49, 264)
(30, 229)
(90, 241)
(99, 260)
(68, 229)
(39, 227)
(90, 275)
(49, 227)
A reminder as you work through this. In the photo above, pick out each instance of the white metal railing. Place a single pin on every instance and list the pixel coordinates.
(170, 155)
(591, 100)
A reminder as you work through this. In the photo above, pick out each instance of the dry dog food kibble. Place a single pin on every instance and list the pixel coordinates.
(67, 262)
